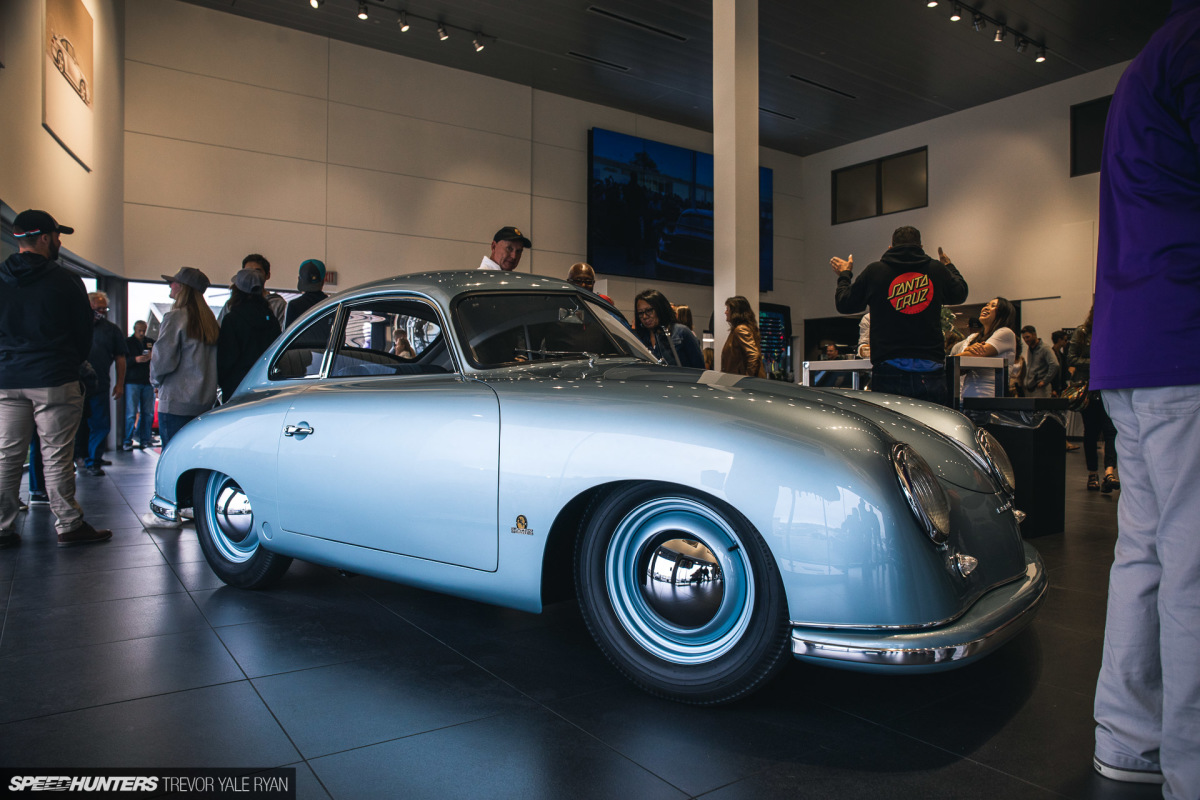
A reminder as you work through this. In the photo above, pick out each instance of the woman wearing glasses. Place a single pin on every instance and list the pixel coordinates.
(667, 339)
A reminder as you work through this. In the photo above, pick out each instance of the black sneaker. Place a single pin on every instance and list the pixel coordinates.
(139, 446)
(95, 472)
(84, 534)
(104, 462)
(39, 499)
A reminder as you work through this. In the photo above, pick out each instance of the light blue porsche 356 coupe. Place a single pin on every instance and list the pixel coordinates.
(527, 446)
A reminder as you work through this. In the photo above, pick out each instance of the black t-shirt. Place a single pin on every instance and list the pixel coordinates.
(108, 343)
(135, 372)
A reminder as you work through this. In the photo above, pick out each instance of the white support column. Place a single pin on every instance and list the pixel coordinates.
(735, 158)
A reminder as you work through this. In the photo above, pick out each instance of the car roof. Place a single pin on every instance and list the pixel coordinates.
(445, 286)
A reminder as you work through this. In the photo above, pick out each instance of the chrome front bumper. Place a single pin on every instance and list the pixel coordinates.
(995, 618)
(164, 509)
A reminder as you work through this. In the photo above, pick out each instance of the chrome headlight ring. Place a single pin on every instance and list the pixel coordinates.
(925, 495)
(997, 460)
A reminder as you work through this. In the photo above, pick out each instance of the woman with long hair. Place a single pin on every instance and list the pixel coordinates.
(665, 337)
(742, 353)
(998, 338)
(183, 364)
(1095, 419)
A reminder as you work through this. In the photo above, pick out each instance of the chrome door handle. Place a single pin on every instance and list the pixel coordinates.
(302, 429)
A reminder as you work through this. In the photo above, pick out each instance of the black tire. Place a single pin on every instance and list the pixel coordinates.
(228, 537)
(681, 593)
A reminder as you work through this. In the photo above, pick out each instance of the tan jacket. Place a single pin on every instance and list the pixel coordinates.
(742, 354)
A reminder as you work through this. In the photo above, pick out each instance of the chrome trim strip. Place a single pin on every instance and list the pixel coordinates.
(164, 509)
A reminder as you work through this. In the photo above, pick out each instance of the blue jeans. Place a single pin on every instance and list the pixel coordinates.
(929, 386)
(99, 421)
(37, 474)
(170, 424)
(139, 407)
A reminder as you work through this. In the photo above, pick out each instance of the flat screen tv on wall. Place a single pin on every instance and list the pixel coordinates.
(650, 211)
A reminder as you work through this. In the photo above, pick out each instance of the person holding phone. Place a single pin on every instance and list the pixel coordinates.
(139, 394)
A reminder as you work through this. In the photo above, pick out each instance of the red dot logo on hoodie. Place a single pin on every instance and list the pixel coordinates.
(911, 293)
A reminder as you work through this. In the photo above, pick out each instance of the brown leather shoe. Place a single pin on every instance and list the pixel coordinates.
(84, 534)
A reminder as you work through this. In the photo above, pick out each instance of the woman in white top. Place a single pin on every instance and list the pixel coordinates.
(997, 339)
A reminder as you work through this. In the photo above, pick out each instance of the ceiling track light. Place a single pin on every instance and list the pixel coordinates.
(931, 4)
(362, 11)
(1022, 44)
(442, 35)
(999, 35)
(956, 14)
(403, 22)
(1041, 55)
(316, 3)
(978, 23)
(478, 44)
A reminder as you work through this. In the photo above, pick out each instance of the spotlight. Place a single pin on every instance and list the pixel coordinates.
(316, 3)
(999, 36)
(478, 45)
(1022, 44)
(1041, 55)
(931, 4)
(362, 11)
(957, 13)
(403, 22)
(978, 23)
(442, 33)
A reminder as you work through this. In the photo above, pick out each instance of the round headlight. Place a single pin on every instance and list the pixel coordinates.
(924, 494)
(997, 459)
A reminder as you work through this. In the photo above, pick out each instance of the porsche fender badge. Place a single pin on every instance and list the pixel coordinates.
(522, 526)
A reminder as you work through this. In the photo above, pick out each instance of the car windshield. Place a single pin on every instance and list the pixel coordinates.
(510, 328)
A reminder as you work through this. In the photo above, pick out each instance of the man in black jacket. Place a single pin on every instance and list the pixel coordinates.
(905, 291)
(45, 334)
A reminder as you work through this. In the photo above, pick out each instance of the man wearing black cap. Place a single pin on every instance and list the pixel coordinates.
(507, 246)
(45, 334)
(312, 281)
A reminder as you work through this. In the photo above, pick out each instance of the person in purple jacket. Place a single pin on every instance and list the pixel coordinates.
(1148, 289)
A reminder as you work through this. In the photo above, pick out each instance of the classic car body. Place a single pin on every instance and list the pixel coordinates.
(68, 64)
(711, 523)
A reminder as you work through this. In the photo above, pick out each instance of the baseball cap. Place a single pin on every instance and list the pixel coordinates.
(34, 223)
(189, 276)
(249, 280)
(312, 275)
(511, 234)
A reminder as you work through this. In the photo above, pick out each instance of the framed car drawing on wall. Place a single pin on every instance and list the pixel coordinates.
(68, 90)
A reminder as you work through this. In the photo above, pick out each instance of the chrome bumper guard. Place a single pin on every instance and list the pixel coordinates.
(164, 509)
(996, 617)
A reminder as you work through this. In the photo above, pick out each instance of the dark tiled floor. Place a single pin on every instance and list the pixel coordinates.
(131, 653)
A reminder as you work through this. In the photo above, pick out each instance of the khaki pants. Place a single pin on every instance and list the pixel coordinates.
(55, 411)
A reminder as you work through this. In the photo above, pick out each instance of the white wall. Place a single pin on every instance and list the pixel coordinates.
(35, 171)
(1001, 203)
(242, 137)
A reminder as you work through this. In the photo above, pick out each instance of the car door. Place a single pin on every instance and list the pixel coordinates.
(394, 454)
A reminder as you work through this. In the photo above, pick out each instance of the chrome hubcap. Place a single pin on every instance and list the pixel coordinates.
(230, 519)
(679, 581)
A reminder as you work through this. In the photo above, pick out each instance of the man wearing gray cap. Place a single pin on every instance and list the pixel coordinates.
(507, 246)
(45, 334)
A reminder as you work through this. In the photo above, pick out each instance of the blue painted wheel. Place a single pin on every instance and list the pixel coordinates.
(681, 593)
(229, 537)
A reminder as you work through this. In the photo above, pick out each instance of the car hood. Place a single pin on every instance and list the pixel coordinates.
(944, 438)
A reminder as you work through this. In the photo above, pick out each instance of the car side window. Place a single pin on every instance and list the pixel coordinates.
(304, 353)
(391, 336)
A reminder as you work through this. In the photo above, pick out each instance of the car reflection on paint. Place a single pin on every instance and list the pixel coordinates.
(63, 53)
(708, 525)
